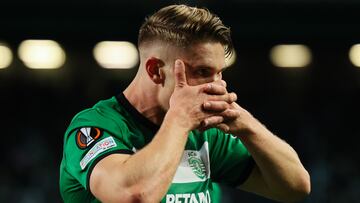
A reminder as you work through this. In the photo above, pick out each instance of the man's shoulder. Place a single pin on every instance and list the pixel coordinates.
(104, 114)
(95, 111)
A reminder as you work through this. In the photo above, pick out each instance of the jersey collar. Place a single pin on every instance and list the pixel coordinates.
(136, 114)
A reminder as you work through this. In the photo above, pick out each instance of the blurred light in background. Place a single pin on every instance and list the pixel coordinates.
(116, 54)
(230, 60)
(41, 54)
(6, 56)
(290, 56)
(354, 55)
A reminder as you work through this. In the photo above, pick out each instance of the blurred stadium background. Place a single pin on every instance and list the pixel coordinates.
(296, 70)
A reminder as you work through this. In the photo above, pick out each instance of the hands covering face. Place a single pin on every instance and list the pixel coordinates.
(205, 106)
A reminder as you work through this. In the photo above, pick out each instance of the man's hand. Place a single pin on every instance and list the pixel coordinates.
(234, 119)
(187, 102)
(278, 173)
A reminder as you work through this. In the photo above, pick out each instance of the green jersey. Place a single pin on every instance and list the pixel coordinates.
(115, 126)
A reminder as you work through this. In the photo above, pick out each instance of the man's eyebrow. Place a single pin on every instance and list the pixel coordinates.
(205, 66)
(199, 66)
(187, 64)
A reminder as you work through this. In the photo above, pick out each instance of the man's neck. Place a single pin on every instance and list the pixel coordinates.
(145, 101)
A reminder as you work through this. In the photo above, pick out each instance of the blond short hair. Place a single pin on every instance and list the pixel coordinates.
(183, 25)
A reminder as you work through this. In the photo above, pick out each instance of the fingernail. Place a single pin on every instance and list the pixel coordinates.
(234, 96)
(178, 62)
(209, 86)
(207, 105)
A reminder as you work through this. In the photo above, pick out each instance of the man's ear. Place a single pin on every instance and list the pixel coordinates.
(153, 68)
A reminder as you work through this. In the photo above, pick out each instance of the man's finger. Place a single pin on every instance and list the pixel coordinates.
(213, 88)
(217, 106)
(229, 98)
(222, 126)
(230, 114)
(179, 71)
(220, 82)
(212, 121)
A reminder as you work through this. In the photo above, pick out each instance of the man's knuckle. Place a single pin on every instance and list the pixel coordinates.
(228, 98)
(222, 90)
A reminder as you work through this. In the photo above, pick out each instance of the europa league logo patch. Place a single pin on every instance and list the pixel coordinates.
(87, 135)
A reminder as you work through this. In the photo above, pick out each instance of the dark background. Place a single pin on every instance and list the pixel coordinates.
(315, 109)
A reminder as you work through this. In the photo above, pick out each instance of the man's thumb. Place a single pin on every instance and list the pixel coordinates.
(180, 76)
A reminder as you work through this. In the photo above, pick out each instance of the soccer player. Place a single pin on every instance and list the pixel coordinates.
(175, 132)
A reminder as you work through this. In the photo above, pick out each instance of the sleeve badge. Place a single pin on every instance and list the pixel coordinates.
(86, 136)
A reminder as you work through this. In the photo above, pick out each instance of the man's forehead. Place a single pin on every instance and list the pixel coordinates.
(208, 54)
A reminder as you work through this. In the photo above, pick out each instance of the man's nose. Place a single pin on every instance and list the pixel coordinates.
(217, 77)
(218, 80)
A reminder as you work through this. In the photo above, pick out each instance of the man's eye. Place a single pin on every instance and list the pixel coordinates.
(202, 72)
